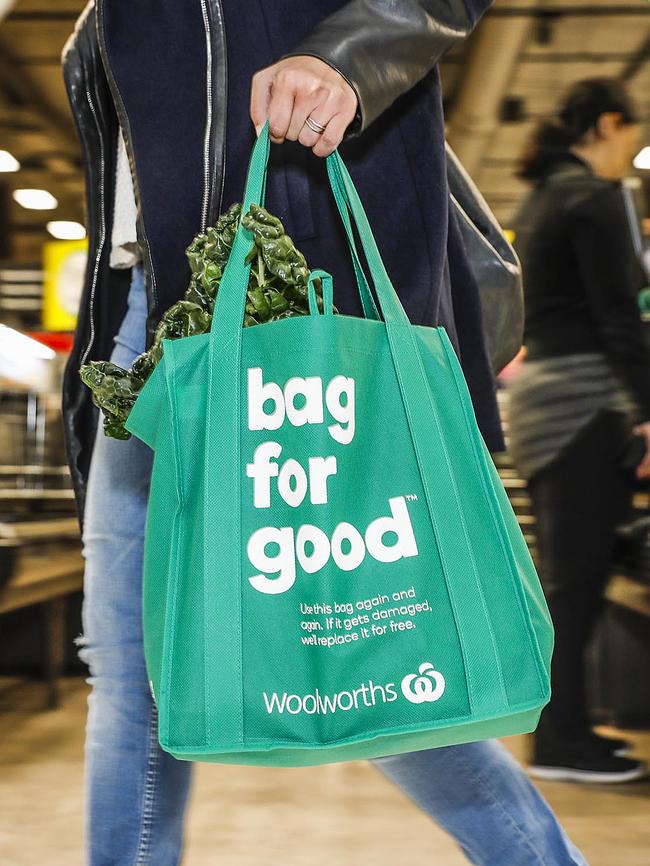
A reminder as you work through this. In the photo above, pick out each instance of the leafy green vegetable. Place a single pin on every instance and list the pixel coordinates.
(277, 288)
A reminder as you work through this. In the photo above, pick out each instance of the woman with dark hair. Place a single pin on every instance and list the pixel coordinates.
(580, 407)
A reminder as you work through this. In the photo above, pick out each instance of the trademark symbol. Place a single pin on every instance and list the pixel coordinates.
(411, 497)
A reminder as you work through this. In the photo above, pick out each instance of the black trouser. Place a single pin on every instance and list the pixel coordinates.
(578, 501)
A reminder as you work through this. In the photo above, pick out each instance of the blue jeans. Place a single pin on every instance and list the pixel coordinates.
(137, 794)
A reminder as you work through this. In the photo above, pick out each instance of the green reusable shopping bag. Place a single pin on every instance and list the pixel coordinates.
(332, 568)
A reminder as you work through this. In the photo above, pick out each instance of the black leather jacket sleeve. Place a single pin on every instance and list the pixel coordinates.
(384, 47)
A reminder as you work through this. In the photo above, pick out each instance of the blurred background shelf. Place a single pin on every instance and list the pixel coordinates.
(629, 594)
(43, 577)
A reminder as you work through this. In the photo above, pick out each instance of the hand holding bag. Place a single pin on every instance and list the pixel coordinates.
(332, 568)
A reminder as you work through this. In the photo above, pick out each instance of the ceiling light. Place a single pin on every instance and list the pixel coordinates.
(25, 362)
(66, 230)
(8, 162)
(642, 159)
(35, 199)
(17, 345)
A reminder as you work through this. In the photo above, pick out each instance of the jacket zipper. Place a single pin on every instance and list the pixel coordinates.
(208, 117)
(102, 229)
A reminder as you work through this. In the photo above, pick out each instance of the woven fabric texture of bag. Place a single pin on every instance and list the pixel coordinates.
(333, 570)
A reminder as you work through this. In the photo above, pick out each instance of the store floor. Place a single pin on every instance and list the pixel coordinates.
(240, 816)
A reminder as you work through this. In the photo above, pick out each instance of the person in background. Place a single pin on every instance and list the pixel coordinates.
(579, 411)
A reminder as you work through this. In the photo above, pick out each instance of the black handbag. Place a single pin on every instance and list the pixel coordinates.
(494, 264)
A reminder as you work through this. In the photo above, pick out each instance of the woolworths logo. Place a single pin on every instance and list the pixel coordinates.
(427, 685)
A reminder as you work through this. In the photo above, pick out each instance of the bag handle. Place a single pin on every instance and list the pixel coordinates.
(229, 308)
(367, 301)
(328, 292)
(346, 193)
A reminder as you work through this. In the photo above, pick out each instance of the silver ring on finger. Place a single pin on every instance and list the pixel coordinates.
(315, 126)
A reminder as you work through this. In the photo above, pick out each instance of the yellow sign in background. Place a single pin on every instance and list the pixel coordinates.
(64, 265)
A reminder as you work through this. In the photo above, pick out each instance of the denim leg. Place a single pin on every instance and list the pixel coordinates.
(480, 795)
(136, 794)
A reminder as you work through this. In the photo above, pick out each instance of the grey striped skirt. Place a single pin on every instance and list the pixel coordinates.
(551, 400)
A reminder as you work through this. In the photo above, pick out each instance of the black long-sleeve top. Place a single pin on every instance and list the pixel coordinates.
(581, 273)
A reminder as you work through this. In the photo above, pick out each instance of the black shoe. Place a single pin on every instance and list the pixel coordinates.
(611, 745)
(584, 762)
